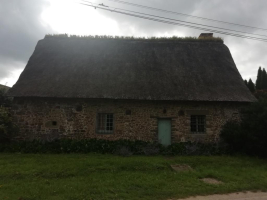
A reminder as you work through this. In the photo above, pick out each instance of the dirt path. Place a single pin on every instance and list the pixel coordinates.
(233, 196)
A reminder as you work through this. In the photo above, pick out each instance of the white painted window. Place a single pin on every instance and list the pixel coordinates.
(105, 123)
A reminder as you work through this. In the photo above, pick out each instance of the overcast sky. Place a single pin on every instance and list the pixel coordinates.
(24, 22)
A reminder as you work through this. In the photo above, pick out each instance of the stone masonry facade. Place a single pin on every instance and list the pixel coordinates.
(50, 118)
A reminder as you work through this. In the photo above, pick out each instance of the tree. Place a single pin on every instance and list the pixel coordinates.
(251, 86)
(4, 101)
(7, 128)
(264, 79)
(248, 135)
(259, 79)
(246, 82)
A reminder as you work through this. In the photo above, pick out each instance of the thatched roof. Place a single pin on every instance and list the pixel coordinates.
(194, 70)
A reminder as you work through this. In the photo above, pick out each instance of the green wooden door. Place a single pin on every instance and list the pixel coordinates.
(164, 131)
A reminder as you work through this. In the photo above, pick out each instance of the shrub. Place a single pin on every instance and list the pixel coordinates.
(233, 136)
(123, 151)
(254, 126)
(119, 147)
(7, 129)
(250, 135)
(4, 101)
(151, 149)
(261, 94)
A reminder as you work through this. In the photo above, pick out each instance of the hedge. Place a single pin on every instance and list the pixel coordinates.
(119, 147)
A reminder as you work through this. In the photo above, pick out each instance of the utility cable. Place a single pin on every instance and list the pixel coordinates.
(177, 20)
(175, 23)
(182, 14)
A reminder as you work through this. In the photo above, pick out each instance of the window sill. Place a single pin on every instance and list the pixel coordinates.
(197, 133)
(104, 133)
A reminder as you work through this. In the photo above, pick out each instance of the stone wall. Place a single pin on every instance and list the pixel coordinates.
(133, 120)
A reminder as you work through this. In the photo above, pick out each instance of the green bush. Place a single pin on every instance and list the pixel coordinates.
(261, 94)
(232, 135)
(4, 101)
(250, 135)
(7, 129)
(118, 147)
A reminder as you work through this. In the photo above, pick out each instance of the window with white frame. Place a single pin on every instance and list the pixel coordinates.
(198, 123)
(105, 123)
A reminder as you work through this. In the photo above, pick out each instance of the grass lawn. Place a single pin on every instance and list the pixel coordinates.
(96, 176)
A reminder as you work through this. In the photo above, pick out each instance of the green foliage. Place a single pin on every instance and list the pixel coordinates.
(233, 135)
(4, 101)
(254, 124)
(102, 177)
(246, 82)
(259, 79)
(251, 86)
(250, 135)
(261, 94)
(7, 128)
(264, 79)
(119, 147)
(261, 82)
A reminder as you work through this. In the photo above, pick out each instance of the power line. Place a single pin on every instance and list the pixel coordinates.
(179, 20)
(175, 23)
(182, 14)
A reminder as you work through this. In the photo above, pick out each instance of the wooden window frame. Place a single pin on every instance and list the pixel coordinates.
(197, 124)
(106, 125)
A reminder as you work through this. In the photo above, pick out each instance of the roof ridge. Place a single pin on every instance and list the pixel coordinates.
(110, 37)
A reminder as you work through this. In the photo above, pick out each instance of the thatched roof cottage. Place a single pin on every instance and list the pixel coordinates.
(165, 90)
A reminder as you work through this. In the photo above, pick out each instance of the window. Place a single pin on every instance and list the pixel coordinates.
(105, 123)
(198, 123)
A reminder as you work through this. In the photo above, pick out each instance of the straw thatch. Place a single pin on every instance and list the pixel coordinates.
(132, 69)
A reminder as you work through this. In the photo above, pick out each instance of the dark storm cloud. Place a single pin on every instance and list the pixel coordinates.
(20, 30)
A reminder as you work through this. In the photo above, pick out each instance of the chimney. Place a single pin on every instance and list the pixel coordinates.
(205, 36)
